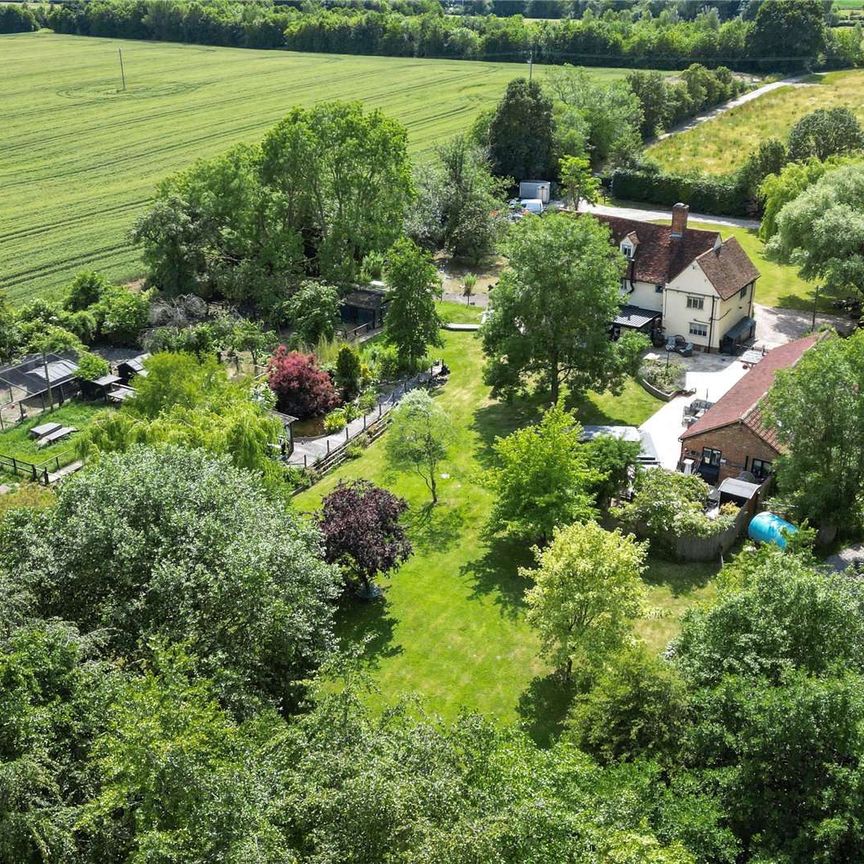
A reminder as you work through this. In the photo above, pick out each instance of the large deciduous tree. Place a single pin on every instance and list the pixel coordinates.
(787, 34)
(587, 588)
(552, 310)
(817, 412)
(521, 133)
(822, 231)
(420, 433)
(542, 478)
(825, 132)
(362, 532)
(460, 203)
(412, 323)
(327, 185)
(173, 544)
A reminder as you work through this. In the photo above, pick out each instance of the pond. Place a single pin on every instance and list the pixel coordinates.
(309, 428)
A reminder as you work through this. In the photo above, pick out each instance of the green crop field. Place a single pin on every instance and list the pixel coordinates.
(722, 144)
(80, 159)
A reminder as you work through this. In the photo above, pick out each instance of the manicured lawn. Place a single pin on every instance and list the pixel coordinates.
(671, 589)
(451, 628)
(721, 145)
(81, 158)
(459, 313)
(17, 443)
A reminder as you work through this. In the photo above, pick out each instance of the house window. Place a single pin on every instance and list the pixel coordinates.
(710, 456)
(627, 249)
(658, 289)
(697, 329)
(744, 290)
(695, 302)
(760, 469)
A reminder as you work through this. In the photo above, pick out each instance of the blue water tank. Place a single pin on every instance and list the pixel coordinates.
(768, 528)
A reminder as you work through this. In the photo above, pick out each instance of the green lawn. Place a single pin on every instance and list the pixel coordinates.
(17, 443)
(721, 145)
(451, 628)
(81, 159)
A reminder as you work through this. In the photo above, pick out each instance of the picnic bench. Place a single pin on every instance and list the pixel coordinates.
(55, 436)
(44, 429)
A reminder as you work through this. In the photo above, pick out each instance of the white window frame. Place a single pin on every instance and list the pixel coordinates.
(698, 329)
(628, 251)
(695, 301)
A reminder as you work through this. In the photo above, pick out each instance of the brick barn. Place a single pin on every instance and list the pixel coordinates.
(731, 437)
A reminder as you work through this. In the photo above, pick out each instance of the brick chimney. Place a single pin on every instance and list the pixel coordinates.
(679, 220)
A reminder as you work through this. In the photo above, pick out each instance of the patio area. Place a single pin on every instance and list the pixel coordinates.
(710, 376)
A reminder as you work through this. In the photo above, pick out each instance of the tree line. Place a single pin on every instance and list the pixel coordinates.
(764, 35)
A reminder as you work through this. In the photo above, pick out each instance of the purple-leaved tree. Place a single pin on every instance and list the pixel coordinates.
(362, 532)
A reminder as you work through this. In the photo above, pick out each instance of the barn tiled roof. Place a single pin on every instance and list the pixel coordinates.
(728, 268)
(659, 257)
(742, 403)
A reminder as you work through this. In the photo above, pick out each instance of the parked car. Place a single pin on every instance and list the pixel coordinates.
(680, 345)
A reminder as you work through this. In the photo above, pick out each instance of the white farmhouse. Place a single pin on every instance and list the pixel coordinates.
(687, 281)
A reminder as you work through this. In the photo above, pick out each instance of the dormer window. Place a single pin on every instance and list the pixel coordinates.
(627, 249)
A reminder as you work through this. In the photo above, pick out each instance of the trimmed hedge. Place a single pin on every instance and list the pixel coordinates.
(721, 196)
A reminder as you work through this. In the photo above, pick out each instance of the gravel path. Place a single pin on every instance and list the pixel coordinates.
(648, 214)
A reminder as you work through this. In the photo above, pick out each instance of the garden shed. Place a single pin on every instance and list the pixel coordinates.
(365, 307)
(128, 369)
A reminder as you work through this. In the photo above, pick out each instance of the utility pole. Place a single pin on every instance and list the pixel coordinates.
(122, 70)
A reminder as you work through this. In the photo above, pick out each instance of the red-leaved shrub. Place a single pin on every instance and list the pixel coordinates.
(301, 388)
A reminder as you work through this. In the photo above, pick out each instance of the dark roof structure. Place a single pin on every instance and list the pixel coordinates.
(742, 403)
(635, 317)
(365, 298)
(659, 257)
(28, 376)
(728, 268)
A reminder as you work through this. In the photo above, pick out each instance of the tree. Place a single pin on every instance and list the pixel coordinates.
(460, 203)
(769, 159)
(825, 132)
(787, 34)
(186, 401)
(420, 433)
(817, 414)
(469, 282)
(10, 335)
(520, 133)
(180, 777)
(775, 672)
(362, 533)
(91, 366)
(123, 316)
(314, 311)
(578, 180)
(608, 116)
(302, 389)
(778, 189)
(542, 478)
(822, 230)
(327, 186)
(651, 91)
(412, 323)
(586, 590)
(552, 310)
(171, 543)
(87, 289)
(348, 369)
(635, 709)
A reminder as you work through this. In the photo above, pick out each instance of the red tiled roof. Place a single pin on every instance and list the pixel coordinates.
(741, 403)
(728, 268)
(659, 257)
